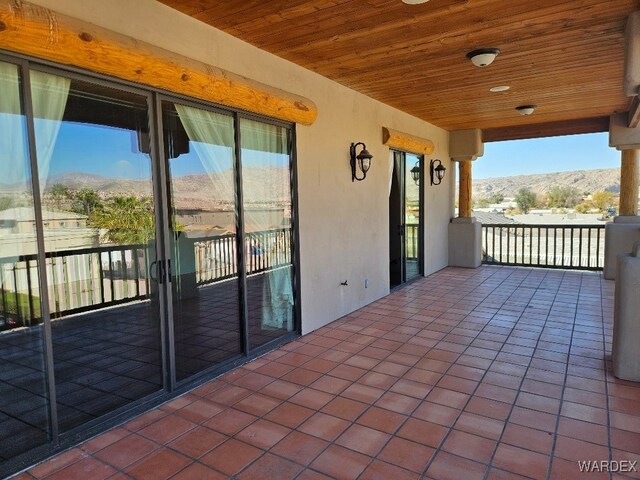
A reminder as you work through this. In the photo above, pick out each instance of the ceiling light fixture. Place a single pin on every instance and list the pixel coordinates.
(483, 56)
(414, 2)
(499, 88)
(526, 109)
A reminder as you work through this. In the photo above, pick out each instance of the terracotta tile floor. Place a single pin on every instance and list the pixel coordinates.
(494, 373)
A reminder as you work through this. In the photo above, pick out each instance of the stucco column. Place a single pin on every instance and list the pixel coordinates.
(629, 170)
(465, 184)
(465, 233)
(624, 231)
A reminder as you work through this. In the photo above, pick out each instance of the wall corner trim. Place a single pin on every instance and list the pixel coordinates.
(42, 33)
(406, 142)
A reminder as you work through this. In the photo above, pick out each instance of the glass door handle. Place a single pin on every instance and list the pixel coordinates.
(401, 230)
(152, 270)
(157, 271)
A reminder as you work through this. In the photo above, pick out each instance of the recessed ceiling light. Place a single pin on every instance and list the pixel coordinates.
(526, 109)
(414, 2)
(483, 57)
(499, 88)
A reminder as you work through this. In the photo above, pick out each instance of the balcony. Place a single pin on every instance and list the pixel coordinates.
(499, 372)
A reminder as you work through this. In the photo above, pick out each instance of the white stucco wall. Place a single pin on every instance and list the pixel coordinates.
(343, 225)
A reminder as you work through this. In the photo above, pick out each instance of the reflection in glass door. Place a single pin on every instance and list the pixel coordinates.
(412, 218)
(200, 147)
(24, 420)
(132, 256)
(97, 195)
(267, 212)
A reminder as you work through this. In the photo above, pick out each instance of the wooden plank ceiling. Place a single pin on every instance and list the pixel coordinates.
(566, 56)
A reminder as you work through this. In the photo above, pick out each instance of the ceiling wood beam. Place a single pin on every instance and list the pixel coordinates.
(35, 31)
(550, 129)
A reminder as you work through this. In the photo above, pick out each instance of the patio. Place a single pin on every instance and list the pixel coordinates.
(497, 372)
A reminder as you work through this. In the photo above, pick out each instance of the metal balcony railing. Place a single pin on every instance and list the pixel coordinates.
(412, 241)
(86, 279)
(578, 247)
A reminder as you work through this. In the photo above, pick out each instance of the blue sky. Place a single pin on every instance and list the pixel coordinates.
(544, 155)
(112, 152)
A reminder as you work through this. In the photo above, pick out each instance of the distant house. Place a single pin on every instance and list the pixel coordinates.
(22, 220)
(62, 231)
(492, 218)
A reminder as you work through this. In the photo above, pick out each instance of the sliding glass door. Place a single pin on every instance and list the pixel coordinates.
(145, 241)
(412, 217)
(230, 227)
(97, 196)
(200, 149)
(405, 217)
(267, 207)
(24, 398)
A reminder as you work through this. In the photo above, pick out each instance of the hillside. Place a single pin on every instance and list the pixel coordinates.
(586, 181)
(262, 185)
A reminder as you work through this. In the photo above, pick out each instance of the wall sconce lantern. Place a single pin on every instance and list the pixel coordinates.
(362, 159)
(415, 173)
(437, 171)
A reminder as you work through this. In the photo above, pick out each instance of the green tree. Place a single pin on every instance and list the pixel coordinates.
(59, 193)
(525, 199)
(127, 220)
(496, 198)
(583, 207)
(602, 201)
(563, 197)
(85, 201)
(6, 203)
(483, 202)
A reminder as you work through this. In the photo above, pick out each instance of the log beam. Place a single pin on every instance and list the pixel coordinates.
(406, 142)
(39, 32)
(464, 198)
(629, 172)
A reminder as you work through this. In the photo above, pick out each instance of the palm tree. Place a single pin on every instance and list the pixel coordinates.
(86, 201)
(58, 193)
(126, 220)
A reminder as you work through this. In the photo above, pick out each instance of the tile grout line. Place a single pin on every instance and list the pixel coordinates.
(443, 374)
(489, 464)
(409, 415)
(406, 301)
(564, 388)
(606, 376)
(471, 395)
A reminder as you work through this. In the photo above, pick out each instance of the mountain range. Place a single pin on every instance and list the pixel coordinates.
(262, 185)
(586, 181)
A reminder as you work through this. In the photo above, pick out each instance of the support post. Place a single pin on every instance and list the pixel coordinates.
(629, 171)
(624, 231)
(464, 196)
(465, 234)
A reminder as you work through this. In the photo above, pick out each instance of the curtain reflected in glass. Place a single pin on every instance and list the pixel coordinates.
(267, 204)
(200, 145)
(24, 419)
(412, 218)
(98, 219)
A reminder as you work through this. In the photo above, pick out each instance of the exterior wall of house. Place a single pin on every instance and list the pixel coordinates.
(343, 225)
